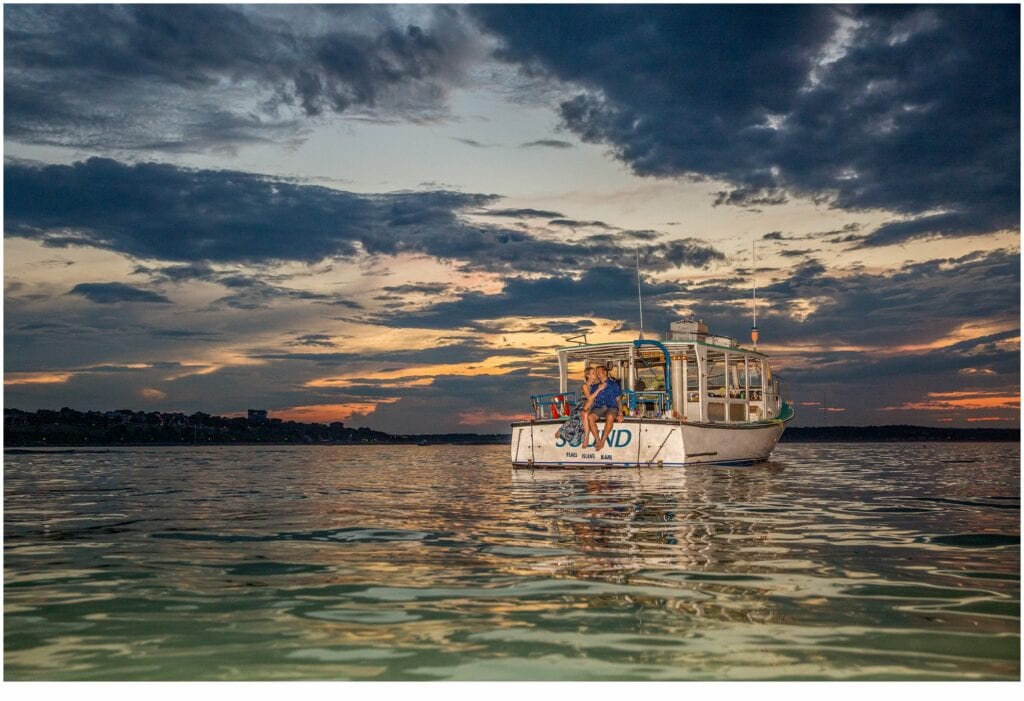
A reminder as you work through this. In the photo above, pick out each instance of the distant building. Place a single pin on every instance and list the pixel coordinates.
(257, 416)
(122, 416)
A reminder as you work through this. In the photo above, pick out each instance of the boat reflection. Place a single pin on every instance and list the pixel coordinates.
(702, 533)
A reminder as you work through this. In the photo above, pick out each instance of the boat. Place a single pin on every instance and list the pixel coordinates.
(694, 398)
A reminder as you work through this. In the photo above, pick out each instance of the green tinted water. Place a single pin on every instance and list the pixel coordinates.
(407, 562)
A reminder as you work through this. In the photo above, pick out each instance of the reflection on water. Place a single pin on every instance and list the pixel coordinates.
(408, 562)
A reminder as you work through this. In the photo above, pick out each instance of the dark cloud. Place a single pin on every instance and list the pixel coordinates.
(849, 238)
(567, 327)
(179, 273)
(200, 76)
(844, 368)
(520, 213)
(251, 292)
(916, 304)
(869, 385)
(574, 224)
(464, 351)
(750, 197)
(911, 109)
(640, 234)
(547, 143)
(183, 334)
(472, 142)
(114, 292)
(320, 340)
(961, 223)
(199, 217)
(426, 288)
(605, 293)
(847, 229)
(635, 234)
(168, 213)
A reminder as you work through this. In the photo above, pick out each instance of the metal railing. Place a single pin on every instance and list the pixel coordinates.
(556, 405)
(648, 402)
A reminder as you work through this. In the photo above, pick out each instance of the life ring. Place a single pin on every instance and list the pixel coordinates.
(559, 406)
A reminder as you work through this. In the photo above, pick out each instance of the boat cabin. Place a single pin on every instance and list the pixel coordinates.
(692, 375)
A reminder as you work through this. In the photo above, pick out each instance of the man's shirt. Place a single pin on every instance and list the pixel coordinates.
(609, 396)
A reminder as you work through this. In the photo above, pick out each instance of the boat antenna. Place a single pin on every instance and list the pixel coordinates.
(639, 296)
(753, 280)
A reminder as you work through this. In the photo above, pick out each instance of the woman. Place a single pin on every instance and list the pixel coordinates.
(577, 423)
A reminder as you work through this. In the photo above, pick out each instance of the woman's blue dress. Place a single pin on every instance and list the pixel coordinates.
(572, 430)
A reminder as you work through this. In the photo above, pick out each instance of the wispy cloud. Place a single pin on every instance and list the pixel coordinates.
(114, 292)
(472, 142)
(547, 143)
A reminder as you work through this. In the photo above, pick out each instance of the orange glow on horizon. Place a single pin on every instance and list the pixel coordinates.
(328, 413)
(964, 332)
(953, 401)
(480, 417)
(37, 378)
(420, 375)
(191, 370)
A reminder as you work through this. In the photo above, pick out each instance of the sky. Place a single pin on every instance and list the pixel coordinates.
(391, 215)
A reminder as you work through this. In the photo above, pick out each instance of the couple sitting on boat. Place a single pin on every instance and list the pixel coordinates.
(600, 398)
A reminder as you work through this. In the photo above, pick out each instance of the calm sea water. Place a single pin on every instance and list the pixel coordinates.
(830, 562)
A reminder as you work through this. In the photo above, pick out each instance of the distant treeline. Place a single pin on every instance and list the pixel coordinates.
(69, 427)
(882, 434)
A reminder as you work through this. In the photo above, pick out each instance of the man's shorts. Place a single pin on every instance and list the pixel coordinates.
(603, 411)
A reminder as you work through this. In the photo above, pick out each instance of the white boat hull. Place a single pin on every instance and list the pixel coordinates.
(645, 443)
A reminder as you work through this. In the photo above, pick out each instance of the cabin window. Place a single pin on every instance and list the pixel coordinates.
(735, 376)
(754, 367)
(737, 412)
(716, 411)
(692, 380)
(650, 371)
(716, 374)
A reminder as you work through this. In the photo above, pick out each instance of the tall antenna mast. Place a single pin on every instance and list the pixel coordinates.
(639, 296)
(753, 281)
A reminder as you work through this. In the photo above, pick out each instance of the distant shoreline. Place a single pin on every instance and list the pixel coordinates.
(898, 434)
(812, 434)
(69, 428)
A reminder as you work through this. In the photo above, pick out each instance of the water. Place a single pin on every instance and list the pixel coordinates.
(897, 561)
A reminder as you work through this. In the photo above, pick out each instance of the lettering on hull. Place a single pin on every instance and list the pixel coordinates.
(617, 438)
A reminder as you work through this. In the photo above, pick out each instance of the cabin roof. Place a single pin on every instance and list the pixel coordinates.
(617, 349)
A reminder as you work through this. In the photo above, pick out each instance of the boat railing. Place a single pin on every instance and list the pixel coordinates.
(644, 402)
(556, 405)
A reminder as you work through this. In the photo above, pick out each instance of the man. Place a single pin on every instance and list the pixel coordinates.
(606, 405)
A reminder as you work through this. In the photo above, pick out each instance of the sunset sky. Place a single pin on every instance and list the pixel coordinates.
(390, 215)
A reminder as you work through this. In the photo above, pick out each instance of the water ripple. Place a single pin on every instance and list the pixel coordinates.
(404, 562)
